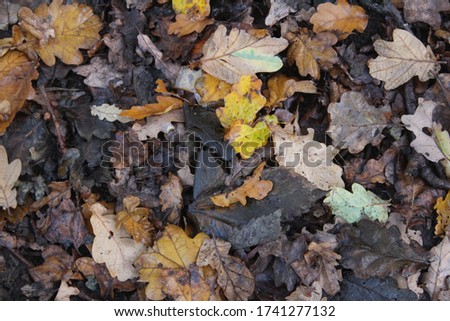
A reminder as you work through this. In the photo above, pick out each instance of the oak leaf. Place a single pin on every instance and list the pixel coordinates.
(185, 25)
(280, 9)
(157, 124)
(311, 53)
(282, 87)
(253, 187)
(211, 89)
(9, 173)
(230, 57)
(402, 59)
(356, 123)
(171, 198)
(174, 256)
(60, 31)
(164, 105)
(113, 246)
(135, 220)
(341, 18)
(197, 7)
(109, 112)
(442, 207)
(65, 292)
(439, 270)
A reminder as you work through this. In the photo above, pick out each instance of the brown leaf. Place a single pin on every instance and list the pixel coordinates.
(425, 11)
(282, 87)
(99, 73)
(306, 293)
(185, 25)
(164, 105)
(439, 270)
(158, 124)
(171, 198)
(135, 220)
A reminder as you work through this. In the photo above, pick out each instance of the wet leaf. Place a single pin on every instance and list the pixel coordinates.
(402, 59)
(439, 270)
(9, 173)
(171, 199)
(282, 87)
(135, 220)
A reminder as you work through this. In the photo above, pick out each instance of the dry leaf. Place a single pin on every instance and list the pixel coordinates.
(113, 246)
(439, 269)
(164, 105)
(65, 292)
(280, 9)
(402, 59)
(109, 112)
(185, 25)
(194, 7)
(282, 87)
(135, 220)
(253, 187)
(174, 254)
(310, 53)
(311, 159)
(306, 293)
(60, 31)
(16, 74)
(234, 278)
(172, 199)
(185, 175)
(442, 207)
(211, 89)
(157, 124)
(238, 54)
(341, 18)
(10, 10)
(425, 11)
(9, 173)
(354, 123)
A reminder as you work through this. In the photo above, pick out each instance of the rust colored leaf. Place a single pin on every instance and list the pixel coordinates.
(164, 105)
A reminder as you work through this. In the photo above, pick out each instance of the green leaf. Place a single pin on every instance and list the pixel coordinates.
(352, 207)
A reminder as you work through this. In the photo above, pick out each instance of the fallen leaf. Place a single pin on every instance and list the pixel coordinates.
(425, 11)
(197, 7)
(306, 293)
(60, 31)
(311, 159)
(352, 206)
(16, 74)
(158, 124)
(280, 9)
(234, 278)
(442, 139)
(312, 52)
(185, 175)
(113, 246)
(135, 220)
(442, 207)
(422, 119)
(172, 199)
(238, 54)
(253, 187)
(439, 270)
(9, 173)
(211, 89)
(354, 123)
(65, 292)
(282, 87)
(174, 253)
(407, 235)
(99, 73)
(164, 105)
(341, 18)
(185, 24)
(402, 59)
(109, 112)
(10, 17)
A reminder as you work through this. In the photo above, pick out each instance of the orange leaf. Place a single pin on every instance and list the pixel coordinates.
(442, 207)
(211, 88)
(164, 105)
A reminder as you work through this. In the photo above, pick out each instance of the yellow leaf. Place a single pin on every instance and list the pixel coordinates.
(253, 187)
(402, 59)
(211, 89)
(60, 31)
(135, 220)
(192, 7)
(282, 87)
(242, 104)
(16, 74)
(342, 18)
(174, 253)
(442, 207)
(164, 105)
(185, 25)
(310, 53)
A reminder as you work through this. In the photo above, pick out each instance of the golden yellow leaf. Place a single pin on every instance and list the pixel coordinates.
(171, 198)
(442, 207)
(281, 87)
(185, 25)
(174, 253)
(341, 18)
(60, 31)
(253, 187)
(402, 59)
(135, 220)
(310, 53)
(192, 7)
(211, 89)
(16, 74)
(164, 105)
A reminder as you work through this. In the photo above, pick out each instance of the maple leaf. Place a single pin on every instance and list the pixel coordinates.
(402, 59)
(60, 31)
(310, 53)
(238, 54)
(442, 207)
(174, 255)
(164, 105)
(281, 87)
(341, 18)
(171, 198)
(9, 173)
(356, 123)
(113, 246)
(310, 159)
(352, 206)
(234, 277)
(439, 270)
(211, 89)
(16, 74)
(253, 187)
(135, 220)
(109, 112)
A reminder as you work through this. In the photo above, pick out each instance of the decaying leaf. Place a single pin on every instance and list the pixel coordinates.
(172, 199)
(355, 123)
(158, 124)
(135, 220)
(422, 119)
(425, 11)
(113, 246)
(164, 105)
(439, 270)
(280, 9)
(211, 89)
(282, 87)
(306, 293)
(238, 54)
(311, 159)
(442, 207)
(58, 30)
(99, 73)
(234, 278)
(109, 112)
(402, 59)
(342, 18)
(253, 187)
(9, 173)
(312, 52)
(170, 264)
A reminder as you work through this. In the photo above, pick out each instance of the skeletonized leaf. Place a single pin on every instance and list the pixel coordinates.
(9, 173)
(402, 59)
(230, 57)
(109, 112)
